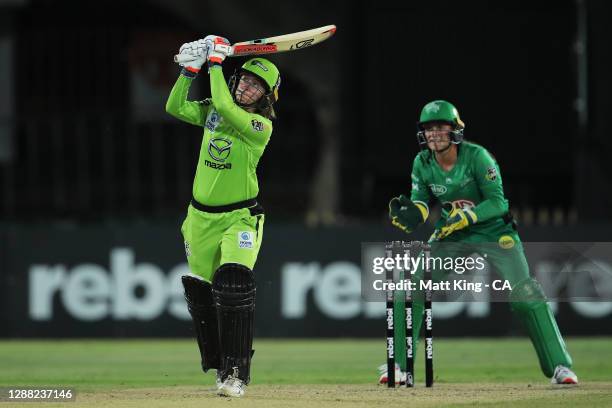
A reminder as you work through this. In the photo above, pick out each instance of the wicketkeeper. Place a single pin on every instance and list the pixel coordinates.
(224, 224)
(465, 178)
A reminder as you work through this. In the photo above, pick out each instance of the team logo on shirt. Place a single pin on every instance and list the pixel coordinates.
(257, 125)
(491, 173)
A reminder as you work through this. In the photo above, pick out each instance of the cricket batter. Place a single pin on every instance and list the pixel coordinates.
(465, 178)
(224, 224)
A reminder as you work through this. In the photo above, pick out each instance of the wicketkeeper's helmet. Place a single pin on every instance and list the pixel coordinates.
(443, 112)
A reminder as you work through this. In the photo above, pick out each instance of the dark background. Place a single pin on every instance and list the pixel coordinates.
(83, 143)
(90, 161)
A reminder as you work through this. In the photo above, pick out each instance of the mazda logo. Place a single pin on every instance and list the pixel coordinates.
(219, 148)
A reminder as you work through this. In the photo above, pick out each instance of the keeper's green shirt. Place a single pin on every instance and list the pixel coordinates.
(232, 143)
(474, 182)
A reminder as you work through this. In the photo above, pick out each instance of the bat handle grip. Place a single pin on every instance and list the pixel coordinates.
(179, 58)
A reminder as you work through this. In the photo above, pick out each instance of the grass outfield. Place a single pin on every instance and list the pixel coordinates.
(306, 373)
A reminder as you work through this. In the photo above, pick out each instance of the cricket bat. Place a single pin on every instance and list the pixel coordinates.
(271, 45)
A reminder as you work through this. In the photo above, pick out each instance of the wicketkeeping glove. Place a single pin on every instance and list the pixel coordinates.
(218, 48)
(406, 214)
(457, 220)
(196, 49)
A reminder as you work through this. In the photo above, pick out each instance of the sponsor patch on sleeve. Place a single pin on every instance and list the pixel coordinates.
(245, 239)
(257, 125)
(491, 173)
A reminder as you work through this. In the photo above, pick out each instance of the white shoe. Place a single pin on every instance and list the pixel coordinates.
(219, 380)
(232, 386)
(564, 375)
(400, 376)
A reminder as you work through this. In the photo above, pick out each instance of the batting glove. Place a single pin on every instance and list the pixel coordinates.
(218, 48)
(197, 50)
(457, 220)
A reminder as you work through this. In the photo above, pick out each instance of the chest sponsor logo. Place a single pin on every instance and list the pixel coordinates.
(213, 121)
(218, 166)
(437, 189)
(219, 148)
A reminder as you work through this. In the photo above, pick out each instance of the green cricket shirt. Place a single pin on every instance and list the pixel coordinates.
(474, 182)
(232, 144)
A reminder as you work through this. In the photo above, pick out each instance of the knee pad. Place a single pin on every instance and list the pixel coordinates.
(234, 287)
